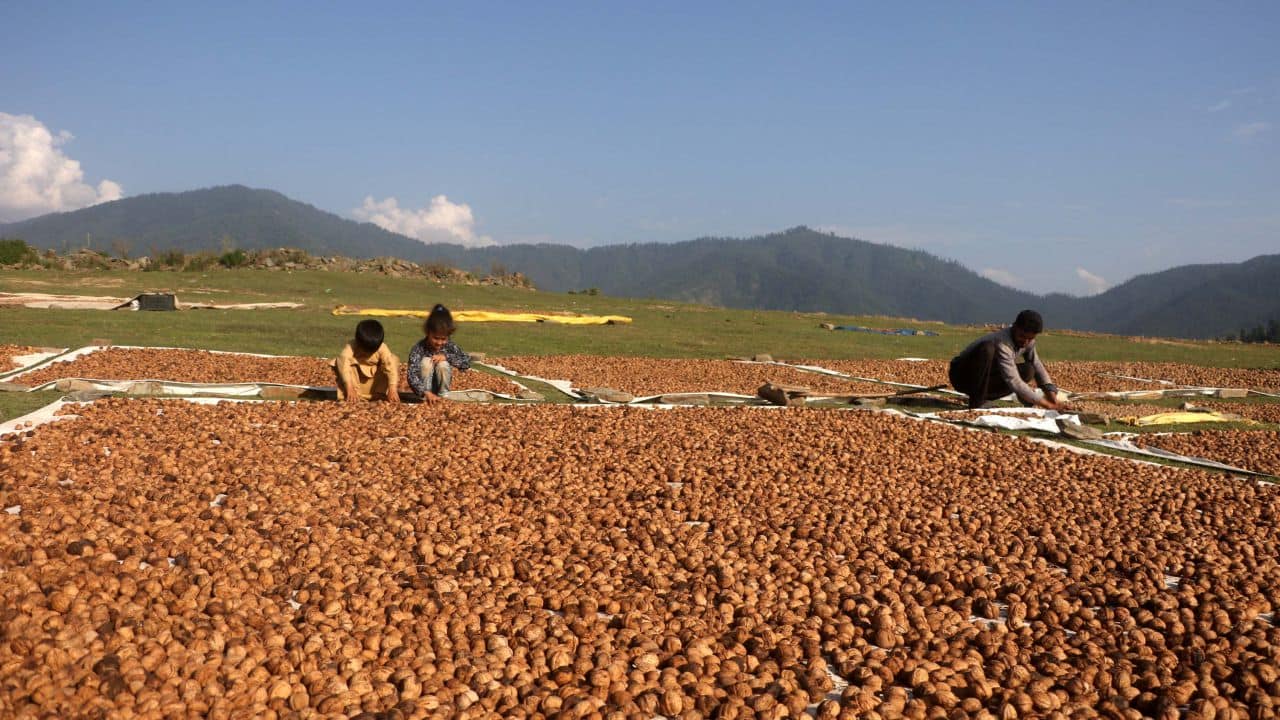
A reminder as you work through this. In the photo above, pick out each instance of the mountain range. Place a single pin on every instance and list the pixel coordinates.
(798, 269)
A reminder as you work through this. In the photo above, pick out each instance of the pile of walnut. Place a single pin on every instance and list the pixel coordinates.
(9, 352)
(162, 558)
(1076, 376)
(653, 376)
(1256, 450)
(202, 366)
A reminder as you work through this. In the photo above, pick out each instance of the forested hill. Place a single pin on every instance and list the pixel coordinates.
(206, 220)
(799, 269)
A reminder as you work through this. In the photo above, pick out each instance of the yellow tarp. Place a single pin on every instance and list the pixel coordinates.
(491, 316)
(1178, 418)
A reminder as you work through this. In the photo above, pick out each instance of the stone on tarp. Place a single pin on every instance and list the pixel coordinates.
(13, 387)
(477, 356)
(144, 388)
(87, 395)
(603, 394)
(779, 395)
(685, 399)
(762, 357)
(73, 385)
(473, 395)
(1231, 393)
(527, 394)
(1078, 431)
(275, 392)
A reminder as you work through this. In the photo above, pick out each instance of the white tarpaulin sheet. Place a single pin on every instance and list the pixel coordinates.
(564, 386)
(30, 361)
(46, 414)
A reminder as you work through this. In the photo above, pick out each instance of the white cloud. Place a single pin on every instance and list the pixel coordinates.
(1095, 283)
(1251, 129)
(440, 221)
(1219, 107)
(37, 178)
(1004, 277)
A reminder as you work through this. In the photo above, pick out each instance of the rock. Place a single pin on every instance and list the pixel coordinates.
(1231, 393)
(1078, 431)
(827, 326)
(607, 395)
(777, 395)
(685, 399)
(527, 394)
(762, 357)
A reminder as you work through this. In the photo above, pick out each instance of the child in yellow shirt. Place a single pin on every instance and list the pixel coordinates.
(366, 369)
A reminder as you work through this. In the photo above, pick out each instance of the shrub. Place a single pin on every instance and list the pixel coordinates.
(233, 258)
(16, 252)
(169, 259)
(200, 262)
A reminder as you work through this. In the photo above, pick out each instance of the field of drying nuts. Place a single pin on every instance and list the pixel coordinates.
(651, 376)
(1076, 376)
(201, 366)
(9, 352)
(1256, 450)
(245, 560)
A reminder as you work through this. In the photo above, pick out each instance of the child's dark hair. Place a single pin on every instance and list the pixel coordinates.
(439, 322)
(369, 335)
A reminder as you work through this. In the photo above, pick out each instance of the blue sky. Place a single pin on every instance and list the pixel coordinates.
(1054, 146)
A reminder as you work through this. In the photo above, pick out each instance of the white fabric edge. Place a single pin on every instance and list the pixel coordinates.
(564, 386)
(39, 416)
(178, 389)
(1126, 446)
(69, 356)
(29, 361)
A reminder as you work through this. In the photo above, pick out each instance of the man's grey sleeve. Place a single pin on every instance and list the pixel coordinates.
(1042, 375)
(1009, 371)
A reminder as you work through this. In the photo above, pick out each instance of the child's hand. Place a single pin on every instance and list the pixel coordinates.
(353, 396)
(438, 357)
(431, 398)
(393, 396)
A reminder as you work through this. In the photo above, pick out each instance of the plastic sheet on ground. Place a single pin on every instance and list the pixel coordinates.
(36, 418)
(564, 386)
(492, 316)
(886, 331)
(29, 362)
(48, 301)
(170, 387)
(836, 373)
(90, 349)
(1126, 446)
(1182, 417)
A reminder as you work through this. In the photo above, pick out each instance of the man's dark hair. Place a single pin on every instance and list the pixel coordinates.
(439, 322)
(369, 335)
(1029, 321)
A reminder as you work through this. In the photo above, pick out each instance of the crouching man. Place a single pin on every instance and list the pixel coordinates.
(1004, 362)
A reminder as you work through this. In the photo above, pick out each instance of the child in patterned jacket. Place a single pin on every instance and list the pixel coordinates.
(434, 358)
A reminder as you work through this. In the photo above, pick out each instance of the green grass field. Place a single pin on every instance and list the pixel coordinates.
(660, 328)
